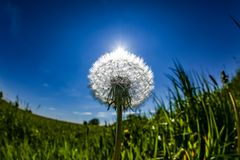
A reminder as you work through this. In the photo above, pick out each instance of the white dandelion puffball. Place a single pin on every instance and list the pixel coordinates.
(126, 66)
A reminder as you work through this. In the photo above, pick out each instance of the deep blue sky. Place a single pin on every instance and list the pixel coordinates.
(48, 46)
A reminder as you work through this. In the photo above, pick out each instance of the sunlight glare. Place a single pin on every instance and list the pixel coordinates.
(120, 49)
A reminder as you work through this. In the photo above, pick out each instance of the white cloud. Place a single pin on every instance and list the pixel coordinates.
(82, 113)
(129, 112)
(102, 114)
(75, 112)
(105, 114)
(87, 113)
(113, 113)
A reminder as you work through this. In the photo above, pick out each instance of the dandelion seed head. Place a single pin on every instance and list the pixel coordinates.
(131, 69)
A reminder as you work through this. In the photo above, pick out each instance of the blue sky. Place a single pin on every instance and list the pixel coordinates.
(47, 47)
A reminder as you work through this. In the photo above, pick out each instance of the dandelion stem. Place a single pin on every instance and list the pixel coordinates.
(117, 150)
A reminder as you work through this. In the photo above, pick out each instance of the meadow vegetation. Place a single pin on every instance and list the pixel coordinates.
(199, 120)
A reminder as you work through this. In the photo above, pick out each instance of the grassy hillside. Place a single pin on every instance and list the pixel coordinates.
(25, 135)
(198, 122)
(13, 115)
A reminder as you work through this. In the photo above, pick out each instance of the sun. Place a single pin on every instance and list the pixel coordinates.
(120, 49)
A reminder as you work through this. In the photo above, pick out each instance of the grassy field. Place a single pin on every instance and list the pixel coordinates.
(199, 121)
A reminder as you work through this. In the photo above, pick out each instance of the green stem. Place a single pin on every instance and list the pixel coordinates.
(117, 150)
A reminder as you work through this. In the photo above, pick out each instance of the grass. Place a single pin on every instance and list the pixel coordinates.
(197, 122)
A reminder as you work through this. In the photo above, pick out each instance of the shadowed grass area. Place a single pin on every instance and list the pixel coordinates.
(197, 122)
